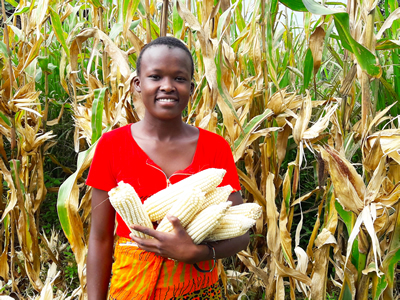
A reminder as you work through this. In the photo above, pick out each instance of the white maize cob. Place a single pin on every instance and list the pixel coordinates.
(217, 196)
(206, 221)
(185, 209)
(250, 210)
(128, 205)
(231, 226)
(160, 203)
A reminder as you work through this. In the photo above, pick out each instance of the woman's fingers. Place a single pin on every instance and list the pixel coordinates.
(176, 224)
(166, 244)
(145, 230)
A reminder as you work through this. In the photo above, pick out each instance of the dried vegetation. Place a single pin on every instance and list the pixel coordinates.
(309, 108)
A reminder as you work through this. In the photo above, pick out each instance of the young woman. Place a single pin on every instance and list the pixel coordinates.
(151, 154)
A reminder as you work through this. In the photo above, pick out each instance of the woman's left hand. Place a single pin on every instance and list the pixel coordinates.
(176, 244)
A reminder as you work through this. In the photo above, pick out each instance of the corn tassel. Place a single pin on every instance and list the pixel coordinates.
(206, 221)
(160, 203)
(128, 205)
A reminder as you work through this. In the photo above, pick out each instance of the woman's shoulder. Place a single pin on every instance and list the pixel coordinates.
(117, 133)
(209, 136)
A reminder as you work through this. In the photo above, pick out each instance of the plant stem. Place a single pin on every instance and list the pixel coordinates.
(164, 19)
(7, 41)
(148, 23)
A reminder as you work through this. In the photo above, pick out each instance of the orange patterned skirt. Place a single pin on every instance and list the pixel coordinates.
(138, 274)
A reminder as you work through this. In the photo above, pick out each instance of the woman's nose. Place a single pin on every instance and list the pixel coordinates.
(167, 85)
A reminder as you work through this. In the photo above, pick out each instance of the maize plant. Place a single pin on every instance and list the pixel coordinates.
(305, 92)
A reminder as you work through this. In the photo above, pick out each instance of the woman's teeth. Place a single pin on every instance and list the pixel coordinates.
(166, 100)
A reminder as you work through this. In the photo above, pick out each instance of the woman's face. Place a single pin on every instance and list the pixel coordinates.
(164, 81)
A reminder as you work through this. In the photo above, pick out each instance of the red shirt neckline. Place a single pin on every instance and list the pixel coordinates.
(187, 171)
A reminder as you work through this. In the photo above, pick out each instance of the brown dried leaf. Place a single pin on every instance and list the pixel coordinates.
(303, 119)
(316, 46)
(348, 185)
(289, 272)
(273, 240)
(256, 270)
(373, 155)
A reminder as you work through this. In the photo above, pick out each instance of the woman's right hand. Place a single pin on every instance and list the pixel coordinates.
(176, 245)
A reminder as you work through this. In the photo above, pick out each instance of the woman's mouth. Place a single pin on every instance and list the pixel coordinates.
(166, 100)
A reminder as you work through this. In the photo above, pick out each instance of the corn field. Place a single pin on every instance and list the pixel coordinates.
(306, 93)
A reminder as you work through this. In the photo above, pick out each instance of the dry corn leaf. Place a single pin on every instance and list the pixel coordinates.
(389, 141)
(348, 185)
(289, 272)
(303, 119)
(302, 264)
(375, 182)
(273, 240)
(366, 217)
(118, 57)
(256, 270)
(319, 277)
(372, 156)
(315, 130)
(316, 45)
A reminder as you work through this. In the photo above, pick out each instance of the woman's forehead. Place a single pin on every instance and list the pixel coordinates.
(158, 55)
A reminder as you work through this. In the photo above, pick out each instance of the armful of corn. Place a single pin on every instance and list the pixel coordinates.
(196, 201)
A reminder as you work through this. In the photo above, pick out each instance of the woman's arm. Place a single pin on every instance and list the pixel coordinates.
(101, 242)
(178, 244)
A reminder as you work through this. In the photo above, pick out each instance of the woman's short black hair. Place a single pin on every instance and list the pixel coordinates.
(168, 41)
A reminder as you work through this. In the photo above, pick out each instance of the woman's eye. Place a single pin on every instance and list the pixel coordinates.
(180, 79)
(154, 76)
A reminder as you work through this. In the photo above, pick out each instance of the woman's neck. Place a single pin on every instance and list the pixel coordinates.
(162, 130)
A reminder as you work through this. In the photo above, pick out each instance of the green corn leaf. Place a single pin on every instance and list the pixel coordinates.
(379, 286)
(386, 44)
(308, 69)
(3, 49)
(68, 204)
(116, 30)
(96, 3)
(58, 30)
(5, 119)
(318, 9)
(336, 3)
(15, 166)
(240, 22)
(250, 127)
(12, 2)
(97, 113)
(295, 5)
(223, 20)
(390, 90)
(365, 58)
(177, 22)
(141, 8)
(21, 11)
(66, 188)
(389, 265)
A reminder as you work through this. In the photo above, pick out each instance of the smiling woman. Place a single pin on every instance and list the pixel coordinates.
(150, 155)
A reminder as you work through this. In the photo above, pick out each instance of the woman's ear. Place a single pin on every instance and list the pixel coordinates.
(191, 88)
(136, 84)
